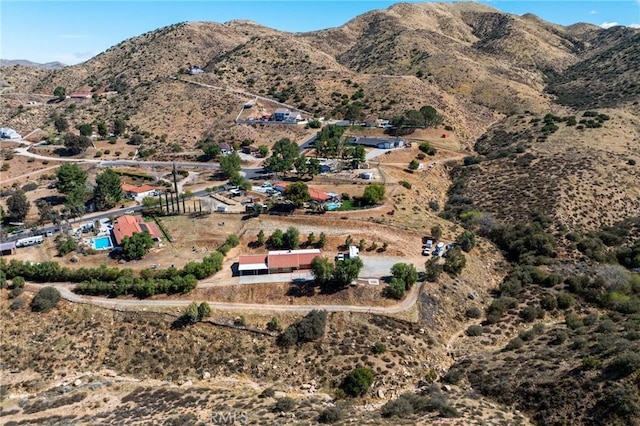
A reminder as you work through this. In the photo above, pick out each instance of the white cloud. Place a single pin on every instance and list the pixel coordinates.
(595, 12)
(634, 25)
(606, 25)
(70, 36)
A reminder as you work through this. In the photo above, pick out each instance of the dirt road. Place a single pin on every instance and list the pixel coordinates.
(161, 305)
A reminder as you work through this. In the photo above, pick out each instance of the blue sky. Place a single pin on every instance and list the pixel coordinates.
(74, 31)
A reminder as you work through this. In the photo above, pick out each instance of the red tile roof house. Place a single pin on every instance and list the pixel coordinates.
(314, 194)
(277, 262)
(138, 192)
(127, 225)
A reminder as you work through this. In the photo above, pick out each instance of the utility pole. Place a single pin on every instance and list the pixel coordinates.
(175, 186)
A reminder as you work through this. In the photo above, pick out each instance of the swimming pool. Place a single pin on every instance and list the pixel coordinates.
(102, 243)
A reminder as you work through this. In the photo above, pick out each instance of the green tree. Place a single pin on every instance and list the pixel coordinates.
(405, 272)
(46, 299)
(396, 289)
(413, 165)
(191, 313)
(260, 238)
(119, 126)
(431, 116)
(466, 240)
(291, 238)
(433, 269)
(353, 113)
(108, 189)
(311, 238)
(137, 245)
(70, 178)
(357, 382)
(76, 144)
(322, 270)
(297, 193)
(61, 124)
(263, 151)
(322, 240)
(455, 261)
(85, 129)
(427, 148)
(60, 92)
(347, 271)
(230, 164)
(46, 213)
(436, 232)
(373, 194)
(276, 240)
(102, 129)
(66, 246)
(313, 168)
(18, 206)
(300, 164)
(204, 311)
(211, 150)
(283, 156)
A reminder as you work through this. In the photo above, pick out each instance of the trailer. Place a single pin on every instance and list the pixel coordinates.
(25, 242)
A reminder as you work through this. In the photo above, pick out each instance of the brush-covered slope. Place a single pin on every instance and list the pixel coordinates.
(470, 61)
(580, 176)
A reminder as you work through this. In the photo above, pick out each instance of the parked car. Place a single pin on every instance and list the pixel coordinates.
(426, 251)
(340, 256)
(129, 212)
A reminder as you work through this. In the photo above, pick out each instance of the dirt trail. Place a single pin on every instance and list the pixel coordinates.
(161, 305)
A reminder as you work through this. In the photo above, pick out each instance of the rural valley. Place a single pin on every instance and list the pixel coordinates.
(427, 215)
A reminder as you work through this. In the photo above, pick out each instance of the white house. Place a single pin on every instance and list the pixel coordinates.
(9, 133)
(139, 192)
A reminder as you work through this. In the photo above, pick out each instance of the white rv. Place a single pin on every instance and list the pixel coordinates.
(25, 242)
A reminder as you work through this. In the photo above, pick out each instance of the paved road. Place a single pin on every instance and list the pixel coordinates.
(153, 305)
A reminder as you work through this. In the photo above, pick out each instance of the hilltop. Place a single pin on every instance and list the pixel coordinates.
(473, 63)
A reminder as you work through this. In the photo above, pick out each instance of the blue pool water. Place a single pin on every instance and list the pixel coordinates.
(102, 243)
(333, 206)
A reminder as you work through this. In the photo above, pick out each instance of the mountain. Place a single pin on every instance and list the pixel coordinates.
(25, 63)
(473, 63)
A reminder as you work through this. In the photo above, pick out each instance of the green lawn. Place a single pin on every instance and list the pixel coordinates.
(347, 205)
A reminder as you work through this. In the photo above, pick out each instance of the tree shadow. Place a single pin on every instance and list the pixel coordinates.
(180, 323)
(302, 288)
(54, 200)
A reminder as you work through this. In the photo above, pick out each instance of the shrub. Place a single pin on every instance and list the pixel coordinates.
(379, 348)
(516, 343)
(357, 382)
(307, 329)
(473, 312)
(405, 184)
(453, 376)
(548, 302)
(45, 299)
(623, 365)
(474, 330)
(631, 162)
(18, 303)
(17, 282)
(559, 337)
(331, 415)
(284, 405)
(565, 301)
(427, 148)
(16, 292)
(274, 324)
(268, 393)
